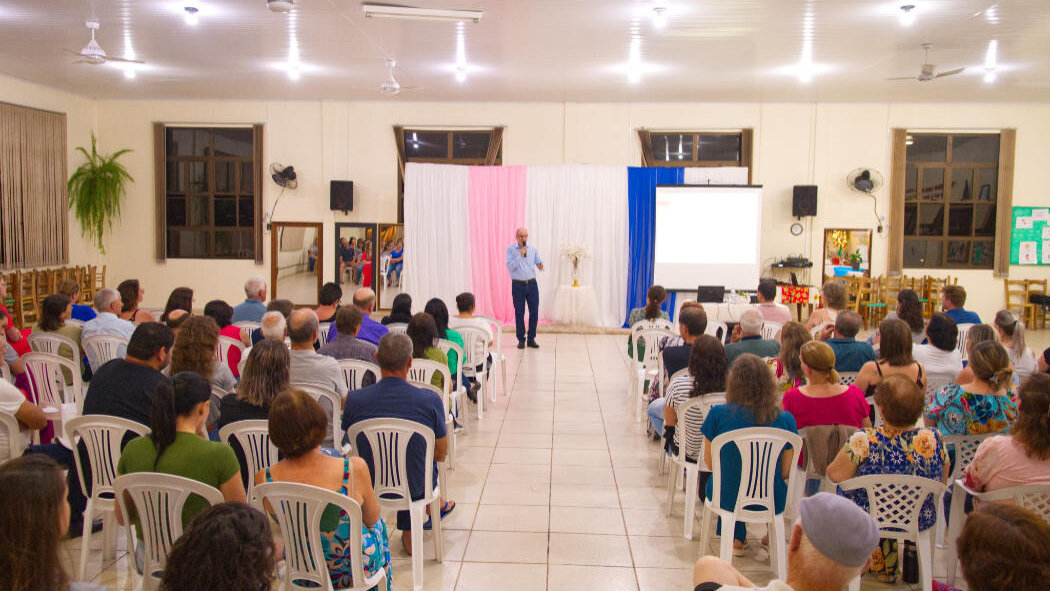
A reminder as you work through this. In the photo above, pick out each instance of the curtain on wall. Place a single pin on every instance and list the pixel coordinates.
(641, 205)
(588, 205)
(496, 197)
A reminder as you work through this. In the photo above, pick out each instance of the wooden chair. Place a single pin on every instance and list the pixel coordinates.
(1038, 308)
(1015, 292)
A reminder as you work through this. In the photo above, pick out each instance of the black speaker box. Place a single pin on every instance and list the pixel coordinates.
(804, 201)
(342, 196)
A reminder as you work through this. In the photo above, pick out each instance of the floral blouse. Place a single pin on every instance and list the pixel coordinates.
(958, 412)
(915, 452)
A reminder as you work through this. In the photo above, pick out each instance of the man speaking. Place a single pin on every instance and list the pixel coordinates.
(522, 262)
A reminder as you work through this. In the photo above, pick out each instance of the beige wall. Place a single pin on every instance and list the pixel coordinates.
(795, 143)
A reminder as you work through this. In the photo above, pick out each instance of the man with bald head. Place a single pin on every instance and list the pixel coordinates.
(371, 331)
(522, 262)
(307, 367)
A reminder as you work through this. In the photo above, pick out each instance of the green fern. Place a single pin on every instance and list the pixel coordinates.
(96, 190)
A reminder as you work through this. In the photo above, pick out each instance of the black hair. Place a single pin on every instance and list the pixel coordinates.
(768, 289)
(439, 311)
(910, 310)
(942, 331)
(220, 312)
(465, 301)
(422, 330)
(656, 296)
(148, 338)
(176, 397)
(694, 320)
(181, 298)
(330, 294)
(402, 305)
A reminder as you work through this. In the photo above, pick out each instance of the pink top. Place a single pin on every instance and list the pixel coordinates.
(234, 357)
(1001, 462)
(849, 408)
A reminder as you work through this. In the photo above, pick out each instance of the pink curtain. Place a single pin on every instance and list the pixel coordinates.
(496, 201)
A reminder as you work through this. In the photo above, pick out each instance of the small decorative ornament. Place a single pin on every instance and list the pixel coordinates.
(575, 252)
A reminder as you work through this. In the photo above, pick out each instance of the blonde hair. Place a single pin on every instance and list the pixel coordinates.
(820, 357)
(991, 363)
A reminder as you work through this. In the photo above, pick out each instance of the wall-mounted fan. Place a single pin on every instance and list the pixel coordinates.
(283, 175)
(866, 181)
(93, 54)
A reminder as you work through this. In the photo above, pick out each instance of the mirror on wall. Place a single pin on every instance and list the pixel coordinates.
(847, 252)
(296, 262)
(392, 264)
(354, 254)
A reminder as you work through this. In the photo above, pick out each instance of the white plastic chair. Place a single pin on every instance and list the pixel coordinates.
(421, 372)
(51, 342)
(354, 371)
(322, 333)
(935, 382)
(848, 378)
(328, 399)
(298, 509)
(760, 449)
(964, 333)
(693, 406)
(158, 500)
(388, 439)
(770, 330)
(254, 439)
(646, 367)
(102, 348)
(456, 395)
(5, 371)
(102, 436)
(476, 345)
(223, 347)
(450, 455)
(47, 384)
(1034, 497)
(247, 324)
(400, 327)
(717, 329)
(816, 330)
(963, 448)
(498, 358)
(684, 372)
(895, 502)
(16, 444)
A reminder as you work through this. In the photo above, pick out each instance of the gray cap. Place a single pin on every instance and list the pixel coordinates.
(839, 529)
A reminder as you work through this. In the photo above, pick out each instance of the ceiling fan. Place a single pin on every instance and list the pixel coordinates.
(390, 86)
(93, 54)
(927, 72)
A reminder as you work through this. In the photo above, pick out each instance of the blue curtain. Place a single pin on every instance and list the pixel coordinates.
(641, 212)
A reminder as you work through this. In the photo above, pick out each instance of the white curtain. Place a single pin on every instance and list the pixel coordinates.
(437, 239)
(584, 204)
(716, 175)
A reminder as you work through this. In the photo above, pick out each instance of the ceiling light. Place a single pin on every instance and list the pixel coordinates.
(129, 73)
(660, 17)
(908, 15)
(992, 15)
(429, 14)
(989, 77)
(461, 75)
(279, 5)
(294, 73)
(191, 11)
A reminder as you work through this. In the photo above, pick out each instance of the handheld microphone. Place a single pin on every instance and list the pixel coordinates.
(524, 248)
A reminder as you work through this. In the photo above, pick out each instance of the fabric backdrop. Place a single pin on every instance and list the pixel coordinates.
(496, 196)
(641, 206)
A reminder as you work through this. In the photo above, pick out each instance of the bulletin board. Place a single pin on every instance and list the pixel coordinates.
(1030, 236)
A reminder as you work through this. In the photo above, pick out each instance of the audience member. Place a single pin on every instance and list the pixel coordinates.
(895, 358)
(33, 519)
(396, 264)
(985, 405)
(747, 338)
(274, 323)
(176, 318)
(194, 351)
(346, 259)
(124, 388)
(347, 345)
(834, 299)
(1004, 547)
(14, 403)
(977, 334)
(823, 401)
(307, 367)
(831, 543)
(897, 447)
(228, 546)
(222, 314)
(265, 375)
(651, 311)
(371, 331)
(1044, 361)
(181, 298)
(953, 298)
(850, 354)
(439, 312)
(252, 308)
(692, 322)
(751, 401)
(423, 332)
(465, 306)
(11, 356)
(394, 398)
(12, 332)
(909, 309)
(54, 311)
(771, 310)
(106, 322)
(1011, 335)
(787, 368)
(329, 299)
(400, 310)
(70, 287)
(298, 426)
(939, 356)
(707, 374)
(131, 293)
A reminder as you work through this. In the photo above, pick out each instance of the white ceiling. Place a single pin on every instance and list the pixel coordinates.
(537, 50)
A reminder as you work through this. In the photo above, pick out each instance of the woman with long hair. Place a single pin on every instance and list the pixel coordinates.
(131, 294)
(222, 314)
(34, 516)
(1011, 335)
(1004, 547)
(298, 426)
(751, 401)
(423, 332)
(439, 312)
(181, 298)
(651, 311)
(400, 310)
(54, 311)
(977, 334)
(265, 376)
(985, 405)
(834, 299)
(909, 309)
(228, 546)
(194, 350)
(707, 374)
(895, 357)
(787, 368)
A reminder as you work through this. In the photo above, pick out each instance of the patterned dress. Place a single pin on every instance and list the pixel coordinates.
(959, 412)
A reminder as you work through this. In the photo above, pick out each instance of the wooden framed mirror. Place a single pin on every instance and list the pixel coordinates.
(847, 252)
(354, 256)
(296, 261)
(392, 264)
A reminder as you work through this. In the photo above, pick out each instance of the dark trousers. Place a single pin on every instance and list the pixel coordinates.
(525, 292)
(64, 457)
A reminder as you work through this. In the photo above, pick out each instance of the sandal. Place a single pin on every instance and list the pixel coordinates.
(445, 510)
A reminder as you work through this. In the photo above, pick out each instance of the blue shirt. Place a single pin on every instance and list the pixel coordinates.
(83, 313)
(730, 417)
(249, 311)
(522, 268)
(394, 398)
(370, 331)
(850, 354)
(963, 316)
(346, 253)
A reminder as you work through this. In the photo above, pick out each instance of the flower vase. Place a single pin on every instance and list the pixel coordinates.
(576, 273)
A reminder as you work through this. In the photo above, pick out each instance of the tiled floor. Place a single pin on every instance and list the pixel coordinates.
(557, 488)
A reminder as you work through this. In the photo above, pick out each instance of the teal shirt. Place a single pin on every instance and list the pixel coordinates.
(453, 357)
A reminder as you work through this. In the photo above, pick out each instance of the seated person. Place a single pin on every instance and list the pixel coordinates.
(252, 308)
(194, 350)
(651, 311)
(985, 405)
(346, 258)
(331, 295)
(977, 334)
(298, 426)
(1044, 361)
(850, 354)
(54, 311)
(347, 345)
(131, 294)
(13, 402)
(833, 299)
(953, 298)
(400, 310)
(265, 376)
(70, 287)
(371, 331)
(1004, 547)
(747, 338)
(181, 298)
(271, 325)
(106, 322)
(895, 358)
(307, 367)
(423, 332)
(439, 312)
(897, 447)
(771, 311)
(787, 367)
(465, 305)
(707, 375)
(1011, 335)
(222, 314)
(396, 265)
(909, 309)
(692, 322)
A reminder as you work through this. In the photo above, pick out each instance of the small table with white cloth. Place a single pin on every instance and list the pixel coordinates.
(576, 305)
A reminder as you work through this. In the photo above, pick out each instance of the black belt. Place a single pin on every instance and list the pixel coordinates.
(523, 281)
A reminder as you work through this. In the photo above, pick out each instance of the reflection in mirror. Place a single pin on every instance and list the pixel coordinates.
(392, 266)
(847, 252)
(354, 253)
(295, 265)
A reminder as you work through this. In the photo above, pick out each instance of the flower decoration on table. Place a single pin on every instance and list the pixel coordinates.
(575, 252)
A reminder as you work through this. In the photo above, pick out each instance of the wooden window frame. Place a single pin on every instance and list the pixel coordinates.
(746, 149)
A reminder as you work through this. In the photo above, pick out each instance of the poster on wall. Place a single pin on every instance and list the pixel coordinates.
(1030, 236)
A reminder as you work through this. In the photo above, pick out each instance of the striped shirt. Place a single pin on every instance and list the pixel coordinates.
(678, 392)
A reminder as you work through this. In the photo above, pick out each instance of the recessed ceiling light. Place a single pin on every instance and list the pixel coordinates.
(908, 15)
(412, 13)
(660, 17)
(191, 15)
(279, 5)
(129, 73)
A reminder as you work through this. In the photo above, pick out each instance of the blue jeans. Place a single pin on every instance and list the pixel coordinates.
(522, 293)
(656, 415)
(395, 268)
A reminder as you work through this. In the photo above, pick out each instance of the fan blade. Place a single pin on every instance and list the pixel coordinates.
(411, 88)
(111, 58)
(949, 73)
(903, 78)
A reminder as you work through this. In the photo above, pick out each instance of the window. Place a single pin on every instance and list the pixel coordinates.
(445, 146)
(210, 203)
(696, 148)
(34, 230)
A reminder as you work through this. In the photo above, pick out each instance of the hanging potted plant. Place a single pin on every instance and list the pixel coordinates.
(95, 190)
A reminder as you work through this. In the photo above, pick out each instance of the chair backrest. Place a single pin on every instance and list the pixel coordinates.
(446, 345)
(934, 382)
(158, 500)
(717, 329)
(222, 348)
(388, 440)
(47, 381)
(400, 327)
(298, 509)
(965, 448)
(332, 405)
(322, 333)
(760, 449)
(1034, 497)
(497, 331)
(102, 437)
(15, 442)
(649, 332)
(354, 371)
(964, 333)
(895, 500)
(101, 348)
(848, 378)
(51, 342)
(770, 330)
(247, 324)
(254, 439)
(476, 345)
(423, 370)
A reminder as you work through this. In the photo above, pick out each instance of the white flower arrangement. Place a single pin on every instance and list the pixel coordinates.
(575, 251)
